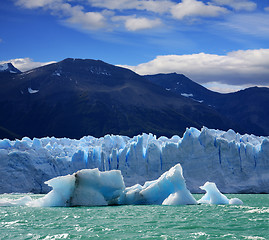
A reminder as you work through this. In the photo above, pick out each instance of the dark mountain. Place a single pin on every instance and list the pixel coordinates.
(247, 109)
(76, 97)
(180, 84)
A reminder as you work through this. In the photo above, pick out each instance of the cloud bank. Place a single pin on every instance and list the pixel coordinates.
(193, 8)
(239, 68)
(237, 4)
(93, 15)
(222, 73)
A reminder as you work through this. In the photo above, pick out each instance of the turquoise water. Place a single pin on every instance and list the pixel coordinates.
(249, 221)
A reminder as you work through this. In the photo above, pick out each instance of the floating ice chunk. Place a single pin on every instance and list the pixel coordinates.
(131, 195)
(87, 187)
(235, 201)
(214, 196)
(156, 192)
(182, 195)
(63, 188)
(90, 187)
(97, 188)
(180, 198)
(15, 202)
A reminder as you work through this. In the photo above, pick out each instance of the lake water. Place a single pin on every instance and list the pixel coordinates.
(248, 221)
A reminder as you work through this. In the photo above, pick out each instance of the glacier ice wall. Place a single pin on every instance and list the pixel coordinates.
(236, 163)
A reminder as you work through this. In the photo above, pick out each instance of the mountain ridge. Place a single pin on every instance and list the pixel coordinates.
(246, 108)
(77, 97)
(8, 68)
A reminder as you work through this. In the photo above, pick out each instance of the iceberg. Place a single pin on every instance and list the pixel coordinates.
(236, 163)
(87, 187)
(214, 196)
(160, 191)
(90, 187)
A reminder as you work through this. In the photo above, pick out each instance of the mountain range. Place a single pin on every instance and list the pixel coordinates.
(77, 97)
(246, 109)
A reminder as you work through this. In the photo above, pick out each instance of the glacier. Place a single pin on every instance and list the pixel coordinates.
(235, 163)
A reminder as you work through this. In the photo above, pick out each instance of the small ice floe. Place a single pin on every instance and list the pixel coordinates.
(214, 196)
(15, 202)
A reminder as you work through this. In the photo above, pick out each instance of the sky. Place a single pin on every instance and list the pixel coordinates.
(221, 44)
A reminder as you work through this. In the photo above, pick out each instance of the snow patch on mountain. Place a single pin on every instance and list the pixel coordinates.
(99, 71)
(3, 67)
(8, 67)
(187, 94)
(32, 91)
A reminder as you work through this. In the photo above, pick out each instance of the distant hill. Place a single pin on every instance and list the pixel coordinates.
(76, 97)
(247, 109)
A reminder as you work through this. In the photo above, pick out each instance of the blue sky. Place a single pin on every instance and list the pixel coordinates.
(222, 44)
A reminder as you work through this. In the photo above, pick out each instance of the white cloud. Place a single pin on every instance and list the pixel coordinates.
(194, 8)
(74, 15)
(136, 15)
(237, 4)
(225, 88)
(34, 3)
(87, 20)
(249, 67)
(25, 64)
(134, 24)
(157, 6)
(256, 24)
(266, 9)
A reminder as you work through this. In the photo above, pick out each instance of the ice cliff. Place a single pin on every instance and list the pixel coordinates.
(236, 163)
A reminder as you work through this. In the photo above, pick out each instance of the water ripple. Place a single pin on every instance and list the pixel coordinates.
(139, 222)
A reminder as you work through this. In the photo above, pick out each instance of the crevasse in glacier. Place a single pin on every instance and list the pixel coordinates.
(236, 163)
